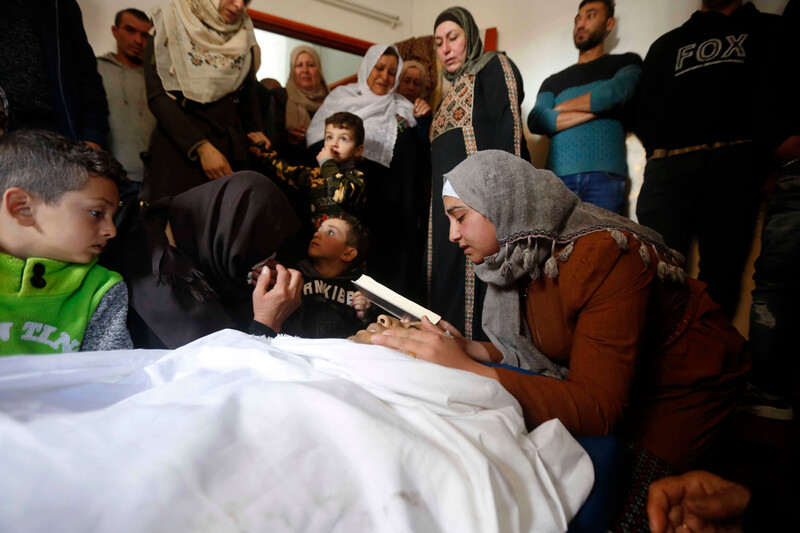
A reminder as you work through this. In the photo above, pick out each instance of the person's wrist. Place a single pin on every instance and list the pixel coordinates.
(204, 148)
(484, 370)
(270, 322)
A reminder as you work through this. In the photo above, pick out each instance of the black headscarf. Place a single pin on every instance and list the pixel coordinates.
(221, 229)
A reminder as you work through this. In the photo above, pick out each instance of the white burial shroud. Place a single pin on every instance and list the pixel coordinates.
(238, 433)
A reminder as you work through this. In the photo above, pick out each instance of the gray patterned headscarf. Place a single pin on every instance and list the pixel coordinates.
(533, 211)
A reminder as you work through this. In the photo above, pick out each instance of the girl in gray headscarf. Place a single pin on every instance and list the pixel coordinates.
(593, 302)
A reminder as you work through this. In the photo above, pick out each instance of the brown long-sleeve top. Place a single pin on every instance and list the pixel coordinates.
(624, 335)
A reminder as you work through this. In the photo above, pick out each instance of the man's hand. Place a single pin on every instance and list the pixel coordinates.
(214, 164)
(697, 501)
(271, 307)
(570, 119)
(582, 103)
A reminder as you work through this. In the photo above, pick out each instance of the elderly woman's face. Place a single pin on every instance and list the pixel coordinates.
(384, 322)
(306, 72)
(381, 78)
(473, 232)
(411, 84)
(451, 45)
(232, 10)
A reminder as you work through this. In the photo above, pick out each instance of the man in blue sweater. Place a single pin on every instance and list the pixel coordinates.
(582, 110)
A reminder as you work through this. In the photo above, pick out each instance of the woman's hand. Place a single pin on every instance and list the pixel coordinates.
(474, 349)
(258, 142)
(433, 345)
(421, 108)
(696, 501)
(360, 304)
(297, 135)
(273, 306)
(214, 164)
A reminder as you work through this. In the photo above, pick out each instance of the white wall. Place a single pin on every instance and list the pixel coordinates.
(98, 16)
(536, 34)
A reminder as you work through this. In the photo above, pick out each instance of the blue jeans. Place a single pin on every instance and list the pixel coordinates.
(602, 189)
(774, 316)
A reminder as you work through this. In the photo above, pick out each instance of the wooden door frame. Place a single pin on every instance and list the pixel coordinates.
(337, 41)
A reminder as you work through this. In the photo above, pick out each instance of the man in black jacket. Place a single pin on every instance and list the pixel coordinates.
(697, 120)
(49, 72)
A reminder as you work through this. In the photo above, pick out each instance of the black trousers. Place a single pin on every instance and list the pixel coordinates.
(711, 194)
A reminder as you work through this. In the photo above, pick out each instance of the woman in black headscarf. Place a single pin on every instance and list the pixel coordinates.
(480, 111)
(187, 260)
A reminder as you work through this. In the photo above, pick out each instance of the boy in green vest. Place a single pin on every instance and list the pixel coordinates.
(58, 200)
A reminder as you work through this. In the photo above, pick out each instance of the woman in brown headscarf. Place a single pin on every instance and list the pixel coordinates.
(295, 106)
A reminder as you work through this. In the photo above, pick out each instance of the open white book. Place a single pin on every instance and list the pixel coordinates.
(394, 303)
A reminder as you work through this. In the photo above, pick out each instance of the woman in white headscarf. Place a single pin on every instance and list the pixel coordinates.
(200, 78)
(392, 167)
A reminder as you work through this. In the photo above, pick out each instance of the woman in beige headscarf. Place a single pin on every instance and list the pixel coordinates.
(296, 105)
(200, 79)
(413, 81)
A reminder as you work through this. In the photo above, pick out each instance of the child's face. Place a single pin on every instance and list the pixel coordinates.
(77, 228)
(330, 241)
(342, 144)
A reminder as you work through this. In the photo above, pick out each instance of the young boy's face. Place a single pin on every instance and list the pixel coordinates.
(342, 144)
(330, 241)
(77, 228)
